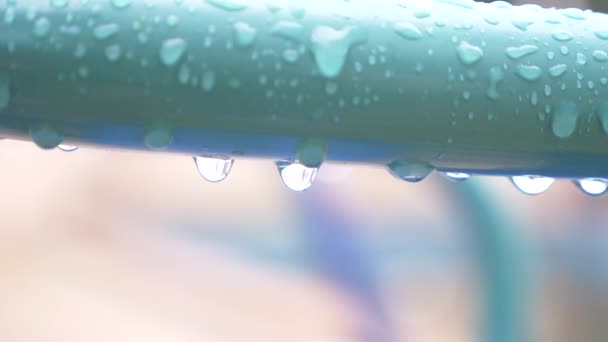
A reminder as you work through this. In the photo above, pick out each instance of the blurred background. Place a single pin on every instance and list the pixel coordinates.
(108, 245)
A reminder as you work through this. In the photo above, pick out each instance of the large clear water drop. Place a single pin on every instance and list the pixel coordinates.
(532, 185)
(592, 186)
(213, 169)
(410, 171)
(46, 136)
(331, 46)
(296, 176)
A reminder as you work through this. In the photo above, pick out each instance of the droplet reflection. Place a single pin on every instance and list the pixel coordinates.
(213, 169)
(532, 185)
(296, 176)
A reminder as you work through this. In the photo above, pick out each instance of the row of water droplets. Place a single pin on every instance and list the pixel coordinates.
(298, 174)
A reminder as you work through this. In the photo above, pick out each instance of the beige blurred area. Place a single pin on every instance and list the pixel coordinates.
(88, 252)
(84, 257)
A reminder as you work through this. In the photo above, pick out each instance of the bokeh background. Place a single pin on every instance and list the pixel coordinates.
(108, 245)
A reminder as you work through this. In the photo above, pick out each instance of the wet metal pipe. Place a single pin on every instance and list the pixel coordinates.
(452, 84)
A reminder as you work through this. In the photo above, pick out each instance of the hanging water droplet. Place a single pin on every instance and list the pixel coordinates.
(407, 31)
(330, 47)
(469, 54)
(529, 72)
(213, 169)
(296, 176)
(46, 136)
(457, 176)
(67, 148)
(565, 118)
(5, 94)
(245, 34)
(532, 185)
(517, 52)
(410, 171)
(592, 186)
(172, 51)
(311, 152)
(228, 5)
(158, 137)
